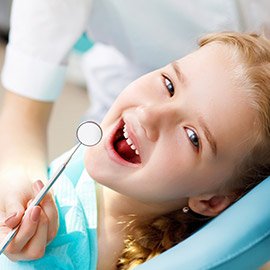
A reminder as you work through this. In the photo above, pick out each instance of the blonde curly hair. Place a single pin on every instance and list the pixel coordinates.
(154, 237)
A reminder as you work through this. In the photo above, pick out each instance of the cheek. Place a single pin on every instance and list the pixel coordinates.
(123, 102)
(94, 162)
(170, 173)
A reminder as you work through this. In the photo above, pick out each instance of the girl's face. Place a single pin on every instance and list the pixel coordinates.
(188, 123)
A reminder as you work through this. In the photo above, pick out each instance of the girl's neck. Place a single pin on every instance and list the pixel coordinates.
(110, 234)
(114, 213)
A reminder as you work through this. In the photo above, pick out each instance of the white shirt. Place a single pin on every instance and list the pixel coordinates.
(149, 33)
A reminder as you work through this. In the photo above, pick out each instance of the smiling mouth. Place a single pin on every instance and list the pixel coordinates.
(124, 146)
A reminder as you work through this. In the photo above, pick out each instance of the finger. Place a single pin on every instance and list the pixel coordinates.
(26, 230)
(14, 212)
(11, 221)
(29, 202)
(35, 248)
(49, 207)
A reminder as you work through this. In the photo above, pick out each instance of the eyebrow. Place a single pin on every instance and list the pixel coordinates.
(178, 72)
(208, 135)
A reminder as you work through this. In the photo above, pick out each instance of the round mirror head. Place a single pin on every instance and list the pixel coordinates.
(89, 133)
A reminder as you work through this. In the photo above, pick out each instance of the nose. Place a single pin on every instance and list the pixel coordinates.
(157, 118)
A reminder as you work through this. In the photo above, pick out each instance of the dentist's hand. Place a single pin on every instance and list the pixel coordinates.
(38, 227)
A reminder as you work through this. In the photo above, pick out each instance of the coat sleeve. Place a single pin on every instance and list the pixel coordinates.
(42, 34)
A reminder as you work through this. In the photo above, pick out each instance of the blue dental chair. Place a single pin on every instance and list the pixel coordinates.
(237, 239)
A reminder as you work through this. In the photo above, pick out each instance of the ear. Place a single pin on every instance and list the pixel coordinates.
(209, 205)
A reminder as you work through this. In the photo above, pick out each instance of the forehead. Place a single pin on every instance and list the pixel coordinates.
(211, 85)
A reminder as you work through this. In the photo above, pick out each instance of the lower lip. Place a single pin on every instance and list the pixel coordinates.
(111, 151)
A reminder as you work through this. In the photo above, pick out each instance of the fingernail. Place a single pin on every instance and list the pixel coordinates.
(29, 202)
(10, 217)
(35, 214)
(38, 185)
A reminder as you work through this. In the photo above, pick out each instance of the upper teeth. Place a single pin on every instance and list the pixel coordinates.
(129, 141)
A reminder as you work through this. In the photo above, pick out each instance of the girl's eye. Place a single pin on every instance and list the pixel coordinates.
(193, 137)
(169, 86)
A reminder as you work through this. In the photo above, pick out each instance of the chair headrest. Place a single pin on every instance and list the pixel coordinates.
(239, 238)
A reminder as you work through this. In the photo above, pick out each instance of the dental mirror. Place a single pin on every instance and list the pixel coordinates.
(88, 133)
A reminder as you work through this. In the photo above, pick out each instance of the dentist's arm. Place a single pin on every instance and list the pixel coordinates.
(23, 144)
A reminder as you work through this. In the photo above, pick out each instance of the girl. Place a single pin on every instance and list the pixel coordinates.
(180, 145)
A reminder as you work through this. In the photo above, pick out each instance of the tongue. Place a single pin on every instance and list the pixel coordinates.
(124, 150)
